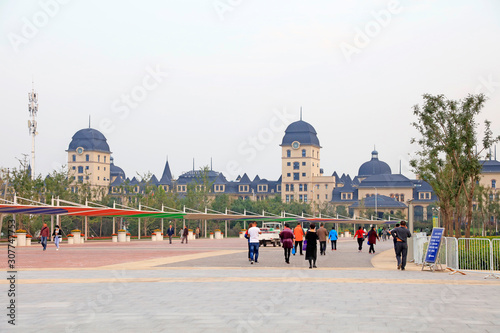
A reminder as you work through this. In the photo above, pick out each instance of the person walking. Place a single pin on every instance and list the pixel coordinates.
(332, 237)
(198, 233)
(372, 239)
(312, 247)
(57, 234)
(401, 235)
(44, 234)
(360, 235)
(286, 237)
(170, 233)
(247, 236)
(393, 238)
(298, 233)
(322, 235)
(185, 235)
(254, 232)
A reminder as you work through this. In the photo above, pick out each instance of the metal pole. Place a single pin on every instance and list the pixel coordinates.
(410, 255)
(139, 226)
(114, 218)
(225, 231)
(51, 218)
(205, 228)
(86, 227)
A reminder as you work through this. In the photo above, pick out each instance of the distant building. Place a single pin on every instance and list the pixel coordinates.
(375, 188)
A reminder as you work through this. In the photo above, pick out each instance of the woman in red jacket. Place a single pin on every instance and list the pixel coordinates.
(360, 234)
(286, 237)
(372, 239)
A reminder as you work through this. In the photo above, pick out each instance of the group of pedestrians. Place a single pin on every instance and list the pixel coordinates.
(56, 234)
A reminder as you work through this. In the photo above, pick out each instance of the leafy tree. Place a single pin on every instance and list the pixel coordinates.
(448, 158)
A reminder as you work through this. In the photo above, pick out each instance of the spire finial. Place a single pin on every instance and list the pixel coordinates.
(89, 121)
(301, 113)
(211, 164)
(193, 163)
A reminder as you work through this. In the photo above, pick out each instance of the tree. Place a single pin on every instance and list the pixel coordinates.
(448, 158)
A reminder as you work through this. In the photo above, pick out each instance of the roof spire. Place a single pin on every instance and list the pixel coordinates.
(301, 113)
(89, 121)
(193, 163)
(211, 164)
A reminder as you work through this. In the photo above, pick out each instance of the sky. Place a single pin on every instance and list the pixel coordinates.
(219, 80)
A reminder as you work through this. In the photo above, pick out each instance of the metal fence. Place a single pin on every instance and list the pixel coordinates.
(464, 254)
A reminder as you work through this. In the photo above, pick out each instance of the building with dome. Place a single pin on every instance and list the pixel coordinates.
(377, 190)
(302, 177)
(89, 160)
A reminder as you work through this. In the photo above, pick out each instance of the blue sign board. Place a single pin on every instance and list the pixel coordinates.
(434, 244)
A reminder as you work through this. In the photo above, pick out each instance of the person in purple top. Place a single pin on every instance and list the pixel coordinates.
(286, 237)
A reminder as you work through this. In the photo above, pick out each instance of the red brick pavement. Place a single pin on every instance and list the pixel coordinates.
(102, 253)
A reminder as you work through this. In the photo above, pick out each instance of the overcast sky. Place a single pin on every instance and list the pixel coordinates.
(222, 79)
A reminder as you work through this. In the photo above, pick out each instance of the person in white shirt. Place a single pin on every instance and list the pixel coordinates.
(254, 232)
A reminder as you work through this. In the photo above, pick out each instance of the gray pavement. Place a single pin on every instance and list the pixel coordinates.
(226, 294)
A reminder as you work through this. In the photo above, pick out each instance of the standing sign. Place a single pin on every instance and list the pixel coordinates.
(432, 254)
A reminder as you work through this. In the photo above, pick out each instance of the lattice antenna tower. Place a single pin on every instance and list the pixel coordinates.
(32, 125)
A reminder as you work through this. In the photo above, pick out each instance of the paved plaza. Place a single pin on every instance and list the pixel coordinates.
(209, 286)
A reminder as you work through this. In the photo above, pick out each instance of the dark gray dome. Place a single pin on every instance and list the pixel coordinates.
(302, 132)
(89, 139)
(374, 167)
(115, 171)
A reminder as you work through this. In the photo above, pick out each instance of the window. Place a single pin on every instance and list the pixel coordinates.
(104, 159)
(292, 188)
(98, 168)
(86, 167)
(87, 177)
(98, 158)
(80, 179)
(326, 196)
(87, 157)
(305, 197)
(278, 188)
(288, 163)
(326, 186)
(303, 163)
(402, 197)
(493, 183)
(303, 174)
(303, 153)
(74, 158)
(74, 168)
(300, 197)
(262, 188)
(396, 196)
(287, 187)
(243, 188)
(288, 174)
(104, 168)
(295, 165)
(301, 187)
(296, 176)
(288, 153)
(291, 197)
(317, 196)
(80, 169)
(287, 198)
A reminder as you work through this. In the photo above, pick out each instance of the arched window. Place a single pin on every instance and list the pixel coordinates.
(396, 197)
(303, 153)
(402, 197)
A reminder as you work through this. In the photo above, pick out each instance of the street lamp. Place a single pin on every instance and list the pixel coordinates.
(376, 194)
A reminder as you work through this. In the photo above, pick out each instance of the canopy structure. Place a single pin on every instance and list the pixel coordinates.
(135, 213)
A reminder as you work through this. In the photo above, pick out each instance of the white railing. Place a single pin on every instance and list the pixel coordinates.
(463, 254)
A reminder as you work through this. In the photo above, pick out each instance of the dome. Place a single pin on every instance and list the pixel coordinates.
(302, 132)
(89, 139)
(115, 171)
(374, 167)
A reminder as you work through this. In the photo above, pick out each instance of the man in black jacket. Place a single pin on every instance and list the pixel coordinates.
(170, 233)
(401, 234)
